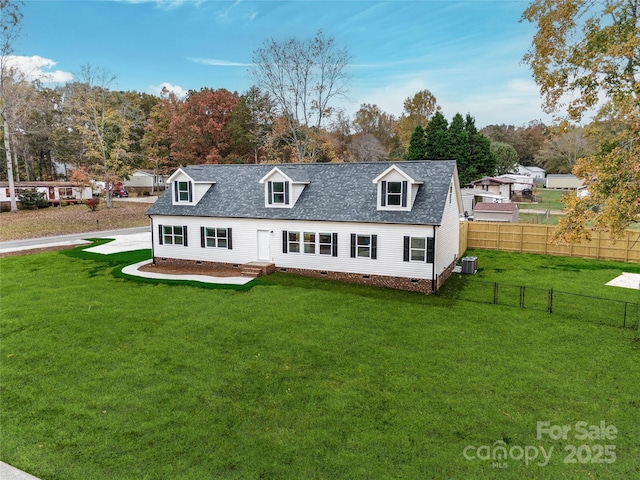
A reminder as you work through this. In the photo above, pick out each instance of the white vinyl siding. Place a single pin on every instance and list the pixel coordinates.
(389, 247)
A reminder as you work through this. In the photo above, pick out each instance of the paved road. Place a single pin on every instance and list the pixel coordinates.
(61, 240)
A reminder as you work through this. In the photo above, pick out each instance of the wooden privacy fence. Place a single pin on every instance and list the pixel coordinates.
(529, 238)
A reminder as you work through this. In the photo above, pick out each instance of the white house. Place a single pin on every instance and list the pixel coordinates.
(531, 171)
(565, 181)
(146, 180)
(519, 182)
(393, 225)
(54, 192)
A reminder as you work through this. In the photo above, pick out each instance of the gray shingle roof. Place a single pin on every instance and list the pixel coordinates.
(342, 192)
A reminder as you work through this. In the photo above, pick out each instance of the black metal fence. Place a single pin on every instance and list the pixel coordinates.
(617, 313)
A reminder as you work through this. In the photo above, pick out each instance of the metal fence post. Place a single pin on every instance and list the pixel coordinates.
(522, 297)
(495, 293)
(550, 301)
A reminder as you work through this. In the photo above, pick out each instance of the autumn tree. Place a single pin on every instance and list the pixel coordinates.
(365, 147)
(583, 54)
(303, 77)
(417, 111)
(158, 138)
(198, 128)
(563, 149)
(105, 120)
(371, 119)
(505, 156)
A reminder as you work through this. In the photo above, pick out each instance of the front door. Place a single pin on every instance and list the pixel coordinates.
(263, 245)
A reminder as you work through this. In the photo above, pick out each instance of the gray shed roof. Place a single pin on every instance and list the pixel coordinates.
(342, 192)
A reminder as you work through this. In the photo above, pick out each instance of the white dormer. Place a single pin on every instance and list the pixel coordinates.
(396, 189)
(280, 190)
(185, 190)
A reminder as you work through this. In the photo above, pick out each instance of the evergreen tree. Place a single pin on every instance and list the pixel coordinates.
(482, 160)
(459, 146)
(437, 145)
(417, 145)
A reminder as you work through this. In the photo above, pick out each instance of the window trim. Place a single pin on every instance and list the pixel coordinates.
(204, 237)
(429, 249)
(178, 191)
(271, 193)
(286, 243)
(384, 194)
(172, 235)
(372, 246)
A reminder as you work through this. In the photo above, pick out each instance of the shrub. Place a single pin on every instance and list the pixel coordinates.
(32, 199)
(92, 203)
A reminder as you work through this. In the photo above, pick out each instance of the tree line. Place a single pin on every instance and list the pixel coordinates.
(587, 52)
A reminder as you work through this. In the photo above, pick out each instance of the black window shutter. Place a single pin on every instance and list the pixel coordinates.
(286, 193)
(334, 244)
(353, 245)
(229, 244)
(184, 233)
(175, 190)
(405, 184)
(406, 249)
(269, 191)
(374, 246)
(160, 236)
(202, 241)
(284, 241)
(190, 192)
(383, 197)
(430, 249)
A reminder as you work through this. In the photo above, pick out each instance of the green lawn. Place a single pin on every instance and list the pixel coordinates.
(107, 378)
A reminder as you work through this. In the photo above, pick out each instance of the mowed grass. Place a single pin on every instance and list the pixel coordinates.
(108, 378)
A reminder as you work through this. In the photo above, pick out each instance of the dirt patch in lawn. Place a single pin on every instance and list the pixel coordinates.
(71, 219)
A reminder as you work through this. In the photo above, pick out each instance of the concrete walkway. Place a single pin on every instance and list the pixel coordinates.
(66, 240)
(7, 472)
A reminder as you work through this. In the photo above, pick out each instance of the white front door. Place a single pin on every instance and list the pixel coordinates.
(263, 245)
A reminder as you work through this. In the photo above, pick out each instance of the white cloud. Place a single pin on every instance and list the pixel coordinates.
(218, 63)
(39, 68)
(165, 4)
(177, 89)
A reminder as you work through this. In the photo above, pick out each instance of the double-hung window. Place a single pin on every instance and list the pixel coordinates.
(419, 249)
(328, 244)
(172, 235)
(364, 246)
(290, 242)
(215, 237)
(278, 193)
(309, 242)
(183, 192)
(394, 194)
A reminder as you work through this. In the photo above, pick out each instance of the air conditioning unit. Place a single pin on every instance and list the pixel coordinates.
(469, 265)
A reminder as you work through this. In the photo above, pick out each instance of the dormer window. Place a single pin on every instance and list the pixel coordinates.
(278, 193)
(183, 192)
(394, 194)
(397, 190)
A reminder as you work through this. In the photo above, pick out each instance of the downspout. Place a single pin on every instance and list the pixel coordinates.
(433, 266)
(153, 254)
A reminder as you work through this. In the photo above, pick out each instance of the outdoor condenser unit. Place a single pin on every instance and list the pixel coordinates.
(469, 265)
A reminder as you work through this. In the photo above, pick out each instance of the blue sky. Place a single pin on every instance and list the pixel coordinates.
(467, 53)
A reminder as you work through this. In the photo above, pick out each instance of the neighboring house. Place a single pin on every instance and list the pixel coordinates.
(531, 171)
(564, 181)
(54, 192)
(497, 186)
(496, 212)
(520, 182)
(583, 191)
(393, 225)
(146, 180)
(473, 196)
